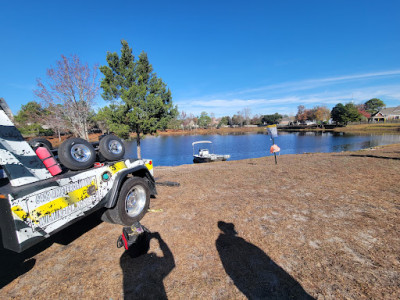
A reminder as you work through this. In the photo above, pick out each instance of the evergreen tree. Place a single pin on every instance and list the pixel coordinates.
(272, 119)
(30, 118)
(204, 120)
(345, 113)
(374, 105)
(143, 102)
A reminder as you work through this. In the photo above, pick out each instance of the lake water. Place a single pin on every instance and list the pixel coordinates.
(177, 150)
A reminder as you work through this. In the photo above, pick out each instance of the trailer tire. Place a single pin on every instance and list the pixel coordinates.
(132, 204)
(40, 142)
(76, 154)
(111, 147)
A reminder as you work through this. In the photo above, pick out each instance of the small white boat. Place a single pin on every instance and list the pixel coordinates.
(204, 155)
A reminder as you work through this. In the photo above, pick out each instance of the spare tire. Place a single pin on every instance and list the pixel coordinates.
(76, 154)
(111, 147)
(40, 142)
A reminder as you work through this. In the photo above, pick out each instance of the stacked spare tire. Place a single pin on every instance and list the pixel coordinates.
(79, 154)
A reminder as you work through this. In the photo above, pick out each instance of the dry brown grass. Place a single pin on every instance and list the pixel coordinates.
(371, 128)
(319, 225)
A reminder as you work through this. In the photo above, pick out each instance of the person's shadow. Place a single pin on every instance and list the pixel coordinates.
(252, 271)
(144, 272)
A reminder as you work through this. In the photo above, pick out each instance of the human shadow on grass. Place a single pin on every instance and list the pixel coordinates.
(13, 265)
(252, 271)
(144, 272)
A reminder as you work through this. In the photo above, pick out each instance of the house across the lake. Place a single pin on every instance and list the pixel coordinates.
(387, 114)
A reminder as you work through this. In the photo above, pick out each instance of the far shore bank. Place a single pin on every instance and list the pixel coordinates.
(376, 128)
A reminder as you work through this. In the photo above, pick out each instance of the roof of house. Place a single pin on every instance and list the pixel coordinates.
(364, 113)
(389, 111)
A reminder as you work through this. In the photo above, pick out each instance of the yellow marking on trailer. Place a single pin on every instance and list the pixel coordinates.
(62, 202)
(149, 166)
(117, 167)
(57, 204)
(18, 210)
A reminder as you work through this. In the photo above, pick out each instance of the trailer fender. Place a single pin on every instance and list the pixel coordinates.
(7, 227)
(139, 171)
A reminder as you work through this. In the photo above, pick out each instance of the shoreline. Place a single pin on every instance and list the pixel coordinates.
(353, 129)
(393, 128)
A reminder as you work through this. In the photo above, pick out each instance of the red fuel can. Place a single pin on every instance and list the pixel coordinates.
(48, 160)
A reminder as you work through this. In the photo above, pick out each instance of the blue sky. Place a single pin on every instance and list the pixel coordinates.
(216, 56)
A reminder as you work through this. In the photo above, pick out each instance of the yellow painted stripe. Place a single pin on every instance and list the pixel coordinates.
(150, 167)
(117, 167)
(49, 208)
(63, 202)
(57, 204)
(19, 212)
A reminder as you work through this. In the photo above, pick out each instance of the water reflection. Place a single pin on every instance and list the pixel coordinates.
(177, 150)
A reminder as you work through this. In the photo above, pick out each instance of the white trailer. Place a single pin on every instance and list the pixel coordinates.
(34, 204)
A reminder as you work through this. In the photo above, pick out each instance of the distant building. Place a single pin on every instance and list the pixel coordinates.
(386, 114)
(287, 121)
(365, 114)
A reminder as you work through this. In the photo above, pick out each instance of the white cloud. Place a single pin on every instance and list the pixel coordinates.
(287, 96)
(314, 83)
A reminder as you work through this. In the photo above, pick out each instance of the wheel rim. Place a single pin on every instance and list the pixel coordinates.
(135, 201)
(115, 147)
(80, 153)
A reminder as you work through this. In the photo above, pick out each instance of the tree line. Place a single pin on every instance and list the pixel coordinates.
(340, 113)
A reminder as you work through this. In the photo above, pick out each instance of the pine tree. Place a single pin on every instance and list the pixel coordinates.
(142, 101)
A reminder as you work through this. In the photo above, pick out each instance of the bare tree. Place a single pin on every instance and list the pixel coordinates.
(73, 85)
(239, 118)
(185, 120)
(55, 120)
(246, 113)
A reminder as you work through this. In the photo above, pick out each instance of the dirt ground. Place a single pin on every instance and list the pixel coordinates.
(322, 226)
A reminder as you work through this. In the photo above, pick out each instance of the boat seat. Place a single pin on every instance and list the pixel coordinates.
(204, 152)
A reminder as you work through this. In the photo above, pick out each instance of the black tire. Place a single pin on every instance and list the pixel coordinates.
(76, 154)
(40, 142)
(111, 147)
(126, 216)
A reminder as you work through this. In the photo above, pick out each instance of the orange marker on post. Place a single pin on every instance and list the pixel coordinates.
(273, 132)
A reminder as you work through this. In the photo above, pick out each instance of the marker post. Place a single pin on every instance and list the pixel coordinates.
(273, 132)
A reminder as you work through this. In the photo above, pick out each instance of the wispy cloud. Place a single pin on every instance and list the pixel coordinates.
(314, 83)
(311, 92)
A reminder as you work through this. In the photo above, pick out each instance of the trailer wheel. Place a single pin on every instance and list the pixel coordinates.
(76, 154)
(111, 147)
(40, 142)
(133, 202)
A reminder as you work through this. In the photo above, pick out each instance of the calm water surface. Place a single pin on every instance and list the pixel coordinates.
(177, 150)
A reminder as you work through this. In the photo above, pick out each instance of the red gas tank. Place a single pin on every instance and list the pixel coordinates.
(48, 159)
